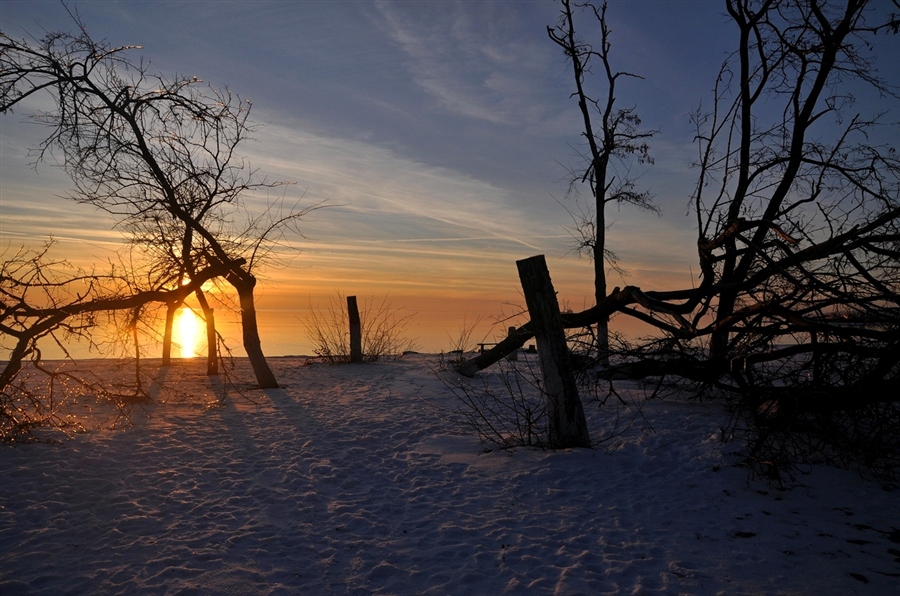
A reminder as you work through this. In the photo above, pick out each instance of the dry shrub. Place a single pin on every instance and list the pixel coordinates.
(838, 409)
(382, 325)
(44, 396)
(506, 405)
(462, 345)
(506, 408)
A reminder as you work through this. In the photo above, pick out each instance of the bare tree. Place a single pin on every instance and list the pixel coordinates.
(797, 210)
(49, 300)
(774, 188)
(613, 137)
(796, 234)
(168, 248)
(148, 148)
(797, 313)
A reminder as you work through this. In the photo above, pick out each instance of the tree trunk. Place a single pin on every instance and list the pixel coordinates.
(568, 427)
(171, 309)
(356, 354)
(212, 352)
(514, 355)
(600, 265)
(135, 320)
(212, 343)
(264, 375)
(719, 339)
(14, 363)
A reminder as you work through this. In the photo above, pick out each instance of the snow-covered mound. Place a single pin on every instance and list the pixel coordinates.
(349, 481)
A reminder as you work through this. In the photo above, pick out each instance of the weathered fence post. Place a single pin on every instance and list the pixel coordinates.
(356, 354)
(568, 427)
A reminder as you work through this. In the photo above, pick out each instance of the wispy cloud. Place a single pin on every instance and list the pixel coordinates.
(433, 129)
(456, 54)
(388, 196)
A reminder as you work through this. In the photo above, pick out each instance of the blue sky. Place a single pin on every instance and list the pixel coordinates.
(440, 132)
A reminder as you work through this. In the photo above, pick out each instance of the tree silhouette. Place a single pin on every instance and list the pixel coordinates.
(797, 313)
(154, 151)
(50, 299)
(613, 137)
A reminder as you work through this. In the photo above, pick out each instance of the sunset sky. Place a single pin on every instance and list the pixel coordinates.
(439, 133)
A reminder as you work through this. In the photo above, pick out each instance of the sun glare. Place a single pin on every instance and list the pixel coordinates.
(187, 333)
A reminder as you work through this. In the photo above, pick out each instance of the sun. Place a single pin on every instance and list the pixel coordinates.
(187, 332)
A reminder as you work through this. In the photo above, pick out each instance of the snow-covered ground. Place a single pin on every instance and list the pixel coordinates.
(348, 481)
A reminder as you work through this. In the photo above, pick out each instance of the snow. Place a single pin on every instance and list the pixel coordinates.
(348, 480)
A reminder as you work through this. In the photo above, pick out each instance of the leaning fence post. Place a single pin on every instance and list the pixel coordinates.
(568, 426)
(355, 330)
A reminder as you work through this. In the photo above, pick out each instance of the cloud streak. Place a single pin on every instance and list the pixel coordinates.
(465, 58)
(382, 191)
(438, 132)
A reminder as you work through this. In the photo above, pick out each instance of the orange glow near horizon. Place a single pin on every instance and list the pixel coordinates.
(440, 293)
(186, 332)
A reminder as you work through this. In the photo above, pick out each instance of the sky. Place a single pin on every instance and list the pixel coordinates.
(440, 135)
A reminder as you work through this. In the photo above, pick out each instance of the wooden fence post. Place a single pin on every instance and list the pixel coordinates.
(356, 354)
(568, 426)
